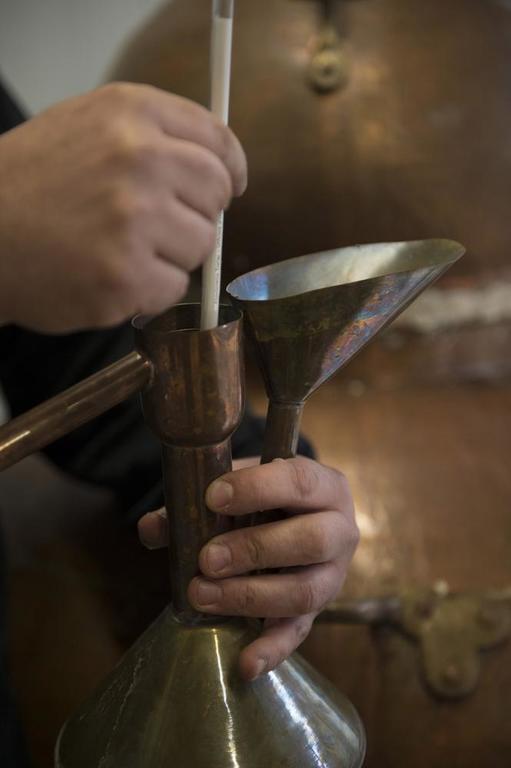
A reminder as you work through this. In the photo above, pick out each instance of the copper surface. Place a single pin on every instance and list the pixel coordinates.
(414, 143)
(309, 316)
(73, 408)
(176, 701)
(194, 404)
(177, 698)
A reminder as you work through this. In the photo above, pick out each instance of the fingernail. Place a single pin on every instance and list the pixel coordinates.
(260, 668)
(219, 495)
(218, 557)
(208, 594)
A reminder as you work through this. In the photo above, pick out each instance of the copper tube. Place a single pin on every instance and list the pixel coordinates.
(282, 431)
(73, 408)
(194, 404)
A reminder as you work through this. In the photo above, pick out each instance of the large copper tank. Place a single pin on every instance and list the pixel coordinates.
(414, 143)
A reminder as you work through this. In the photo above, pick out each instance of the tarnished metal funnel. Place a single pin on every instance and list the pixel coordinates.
(310, 315)
(176, 700)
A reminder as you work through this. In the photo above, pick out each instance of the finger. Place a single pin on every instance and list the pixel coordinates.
(153, 529)
(297, 541)
(250, 461)
(277, 642)
(269, 595)
(299, 484)
(182, 236)
(160, 285)
(184, 119)
(199, 177)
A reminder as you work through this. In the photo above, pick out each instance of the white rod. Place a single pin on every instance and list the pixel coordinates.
(221, 54)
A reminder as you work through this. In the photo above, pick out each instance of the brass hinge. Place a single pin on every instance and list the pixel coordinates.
(452, 629)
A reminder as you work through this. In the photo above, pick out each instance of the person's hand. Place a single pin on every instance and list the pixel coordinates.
(107, 202)
(314, 545)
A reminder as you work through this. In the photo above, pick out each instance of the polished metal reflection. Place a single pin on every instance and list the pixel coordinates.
(176, 700)
(310, 315)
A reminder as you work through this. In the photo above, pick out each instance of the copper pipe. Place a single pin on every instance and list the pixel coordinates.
(282, 431)
(204, 372)
(73, 408)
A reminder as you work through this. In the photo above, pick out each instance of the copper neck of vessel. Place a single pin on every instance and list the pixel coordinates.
(193, 405)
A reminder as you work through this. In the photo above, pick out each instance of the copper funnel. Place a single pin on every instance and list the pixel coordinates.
(176, 699)
(310, 315)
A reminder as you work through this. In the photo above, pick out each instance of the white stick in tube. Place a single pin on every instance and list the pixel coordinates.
(221, 52)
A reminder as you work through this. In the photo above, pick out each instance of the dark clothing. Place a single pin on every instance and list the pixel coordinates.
(10, 114)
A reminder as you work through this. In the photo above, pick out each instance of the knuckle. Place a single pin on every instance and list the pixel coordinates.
(317, 546)
(204, 243)
(161, 296)
(305, 477)
(342, 483)
(255, 550)
(114, 282)
(315, 591)
(181, 283)
(245, 600)
(220, 137)
(217, 180)
(302, 630)
(307, 597)
(353, 537)
(127, 209)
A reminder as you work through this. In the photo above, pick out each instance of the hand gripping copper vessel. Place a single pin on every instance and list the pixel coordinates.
(176, 698)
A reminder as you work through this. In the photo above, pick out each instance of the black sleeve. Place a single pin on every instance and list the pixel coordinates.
(10, 113)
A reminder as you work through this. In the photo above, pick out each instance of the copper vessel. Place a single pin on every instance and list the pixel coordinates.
(409, 140)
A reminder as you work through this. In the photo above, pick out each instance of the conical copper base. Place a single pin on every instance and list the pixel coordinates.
(176, 701)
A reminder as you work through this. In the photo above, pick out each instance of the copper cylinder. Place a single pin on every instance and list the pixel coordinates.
(194, 404)
(282, 431)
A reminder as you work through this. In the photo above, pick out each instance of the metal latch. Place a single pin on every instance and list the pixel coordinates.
(451, 628)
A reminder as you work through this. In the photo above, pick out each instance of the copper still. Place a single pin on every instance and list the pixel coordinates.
(369, 120)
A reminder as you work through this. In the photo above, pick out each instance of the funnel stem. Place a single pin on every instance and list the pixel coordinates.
(280, 442)
(282, 431)
(187, 473)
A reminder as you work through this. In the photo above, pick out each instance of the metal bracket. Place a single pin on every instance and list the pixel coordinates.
(327, 70)
(452, 629)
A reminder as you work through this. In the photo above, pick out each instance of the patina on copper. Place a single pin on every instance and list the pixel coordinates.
(309, 316)
(193, 405)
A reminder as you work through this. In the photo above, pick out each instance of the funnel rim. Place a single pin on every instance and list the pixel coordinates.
(453, 251)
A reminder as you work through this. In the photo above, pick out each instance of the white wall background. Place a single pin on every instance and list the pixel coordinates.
(51, 49)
